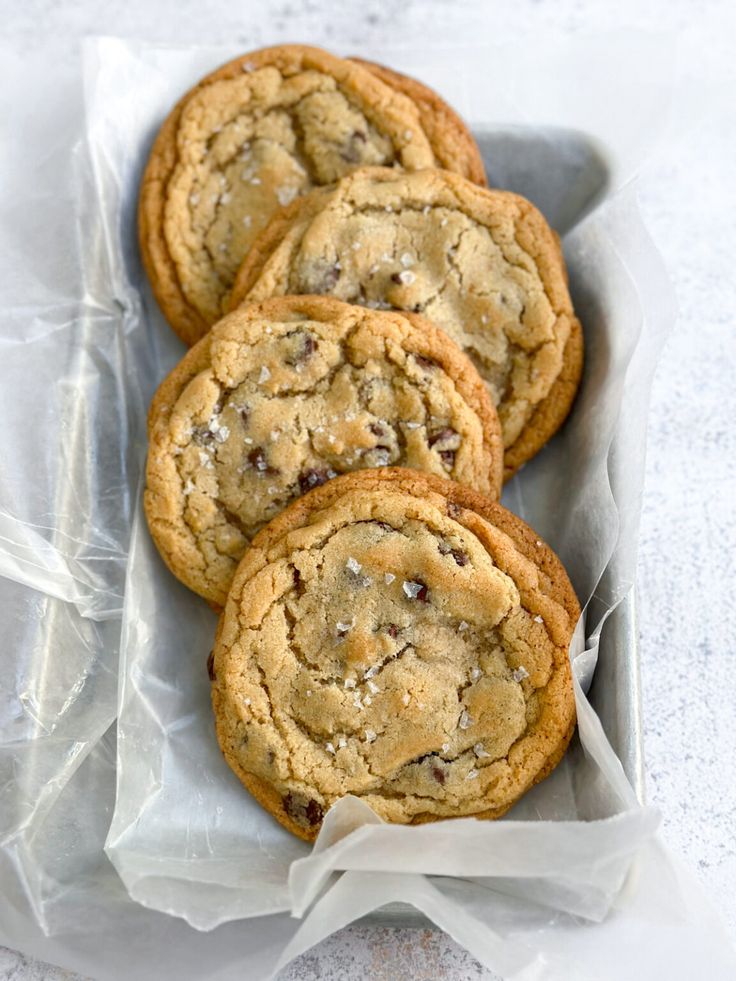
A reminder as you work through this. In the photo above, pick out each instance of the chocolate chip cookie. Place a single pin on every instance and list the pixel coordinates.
(398, 637)
(282, 396)
(249, 138)
(481, 264)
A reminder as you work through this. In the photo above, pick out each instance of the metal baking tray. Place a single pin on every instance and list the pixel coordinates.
(577, 178)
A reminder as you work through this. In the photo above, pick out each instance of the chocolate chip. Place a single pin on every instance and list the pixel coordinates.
(303, 810)
(211, 665)
(350, 152)
(460, 557)
(324, 278)
(438, 774)
(257, 459)
(305, 349)
(392, 630)
(314, 478)
(448, 458)
(396, 278)
(377, 429)
(298, 584)
(425, 363)
(441, 435)
(203, 436)
(453, 510)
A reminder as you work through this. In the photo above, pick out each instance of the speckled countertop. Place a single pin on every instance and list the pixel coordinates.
(687, 612)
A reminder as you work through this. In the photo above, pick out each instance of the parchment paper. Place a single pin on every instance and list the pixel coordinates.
(548, 892)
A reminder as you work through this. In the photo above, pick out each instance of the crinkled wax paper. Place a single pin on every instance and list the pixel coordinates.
(573, 884)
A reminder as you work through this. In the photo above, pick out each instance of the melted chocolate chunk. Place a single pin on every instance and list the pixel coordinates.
(425, 363)
(448, 458)
(392, 630)
(377, 429)
(211, 665)
(441, 435)
(459, 556)
(257, 459)
(351, 153)
(314, 478)
(303, 810)
(438, 774)
(305, 349)
(324, 279)
(453, 510)
(203, 436)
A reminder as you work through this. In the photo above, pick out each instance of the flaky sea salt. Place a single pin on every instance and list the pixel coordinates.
(373, 687)
(445, 747)
(388, 578)
(205, 460)
(247, 220)
(465, 720)
(367, 700)
(343, 628)
(407, 277)
(538, 619)
(475, 673)
(520, 673)
(286, 195)
(413, 425)
(264, 375)
(330, 748)
(246, 701)
(412, 589)
(406, 260)
(480, 751)
(342, 742)
(188, 488)
(472, 774)
(406, 698)
(350, 682)
(370, 736)
(353, 565)
(463, 625)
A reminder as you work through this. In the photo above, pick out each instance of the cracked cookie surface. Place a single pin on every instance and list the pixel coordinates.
(398, 637)
(282, 396)
(481, 264)
(251, 137)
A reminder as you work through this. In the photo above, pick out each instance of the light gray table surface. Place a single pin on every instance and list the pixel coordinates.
(687, 569)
